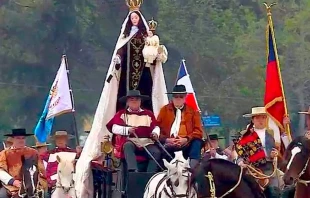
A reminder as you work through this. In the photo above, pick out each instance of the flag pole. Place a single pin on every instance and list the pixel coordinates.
(271, 28)
(72, 101)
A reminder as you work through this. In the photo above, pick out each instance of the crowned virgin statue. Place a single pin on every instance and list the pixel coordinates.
(132, 68)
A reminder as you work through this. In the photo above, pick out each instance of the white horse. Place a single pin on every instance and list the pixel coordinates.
(65, 177)
(172, 183)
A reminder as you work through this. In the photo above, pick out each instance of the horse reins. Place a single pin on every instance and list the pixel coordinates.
(213, 188)
(305, 182)
(262, 175)
(37, 190)
(173, 194)
(59, 185)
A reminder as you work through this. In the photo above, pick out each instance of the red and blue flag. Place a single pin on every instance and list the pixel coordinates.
(274, 94)
(183, 79)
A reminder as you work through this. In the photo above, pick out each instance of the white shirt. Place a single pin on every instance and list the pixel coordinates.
(218, 156)
(5, 177)
(262, 136)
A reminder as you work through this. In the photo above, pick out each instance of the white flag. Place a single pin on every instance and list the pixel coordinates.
(60, 101)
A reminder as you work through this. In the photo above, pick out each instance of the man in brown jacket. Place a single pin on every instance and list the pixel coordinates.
(180, 126)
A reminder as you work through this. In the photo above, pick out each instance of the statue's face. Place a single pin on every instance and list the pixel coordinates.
(134, 19)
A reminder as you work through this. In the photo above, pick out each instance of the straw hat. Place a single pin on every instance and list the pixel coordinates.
(256, 111)
(305, 112)
(39, 145)
(62, 134)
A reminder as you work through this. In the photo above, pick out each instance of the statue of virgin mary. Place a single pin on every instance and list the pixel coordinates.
(127, 71)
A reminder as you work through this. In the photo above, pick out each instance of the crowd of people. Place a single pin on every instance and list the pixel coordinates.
(11, 163)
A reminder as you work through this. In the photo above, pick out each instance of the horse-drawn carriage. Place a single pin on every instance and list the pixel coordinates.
(211, 178)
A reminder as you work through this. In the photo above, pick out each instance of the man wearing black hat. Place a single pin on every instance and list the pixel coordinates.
(180, 126)
(12, 158)
(215, 151)
(134, 128)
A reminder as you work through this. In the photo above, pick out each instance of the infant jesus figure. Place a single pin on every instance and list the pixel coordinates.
(150, 50)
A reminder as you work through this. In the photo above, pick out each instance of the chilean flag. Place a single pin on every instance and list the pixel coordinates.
(274, 94)
(183, 79)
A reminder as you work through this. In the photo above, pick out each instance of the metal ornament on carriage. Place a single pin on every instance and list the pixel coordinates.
(106, 146)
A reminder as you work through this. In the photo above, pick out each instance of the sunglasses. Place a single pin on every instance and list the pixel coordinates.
(178, 96)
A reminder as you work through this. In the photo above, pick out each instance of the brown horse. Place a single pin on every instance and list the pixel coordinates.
(297, 166)
(30, 179)
(221, 178)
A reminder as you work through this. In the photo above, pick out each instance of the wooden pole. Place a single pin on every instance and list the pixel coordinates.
(72, 101)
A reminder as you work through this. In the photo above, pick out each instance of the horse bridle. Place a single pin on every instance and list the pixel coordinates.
(302, 181)
(37, 190)
(305, 182)
(59, 184)
(172, 193)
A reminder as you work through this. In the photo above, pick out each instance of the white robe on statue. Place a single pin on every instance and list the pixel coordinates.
(106, 109)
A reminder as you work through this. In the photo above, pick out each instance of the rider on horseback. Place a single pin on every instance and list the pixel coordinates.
(61, 140)
(11, 163)
(213, 151)
(257, 151)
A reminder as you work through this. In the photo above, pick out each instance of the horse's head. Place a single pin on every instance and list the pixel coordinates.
(296, 159)
(30, 176)
(178, 171)
(65, 171)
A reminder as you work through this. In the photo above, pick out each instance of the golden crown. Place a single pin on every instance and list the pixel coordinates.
(152, 24)
(134, 5)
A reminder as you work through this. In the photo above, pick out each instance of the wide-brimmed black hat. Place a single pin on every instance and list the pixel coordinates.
(215, 137)
(18, 132)
(134, 93)
(178, 89)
